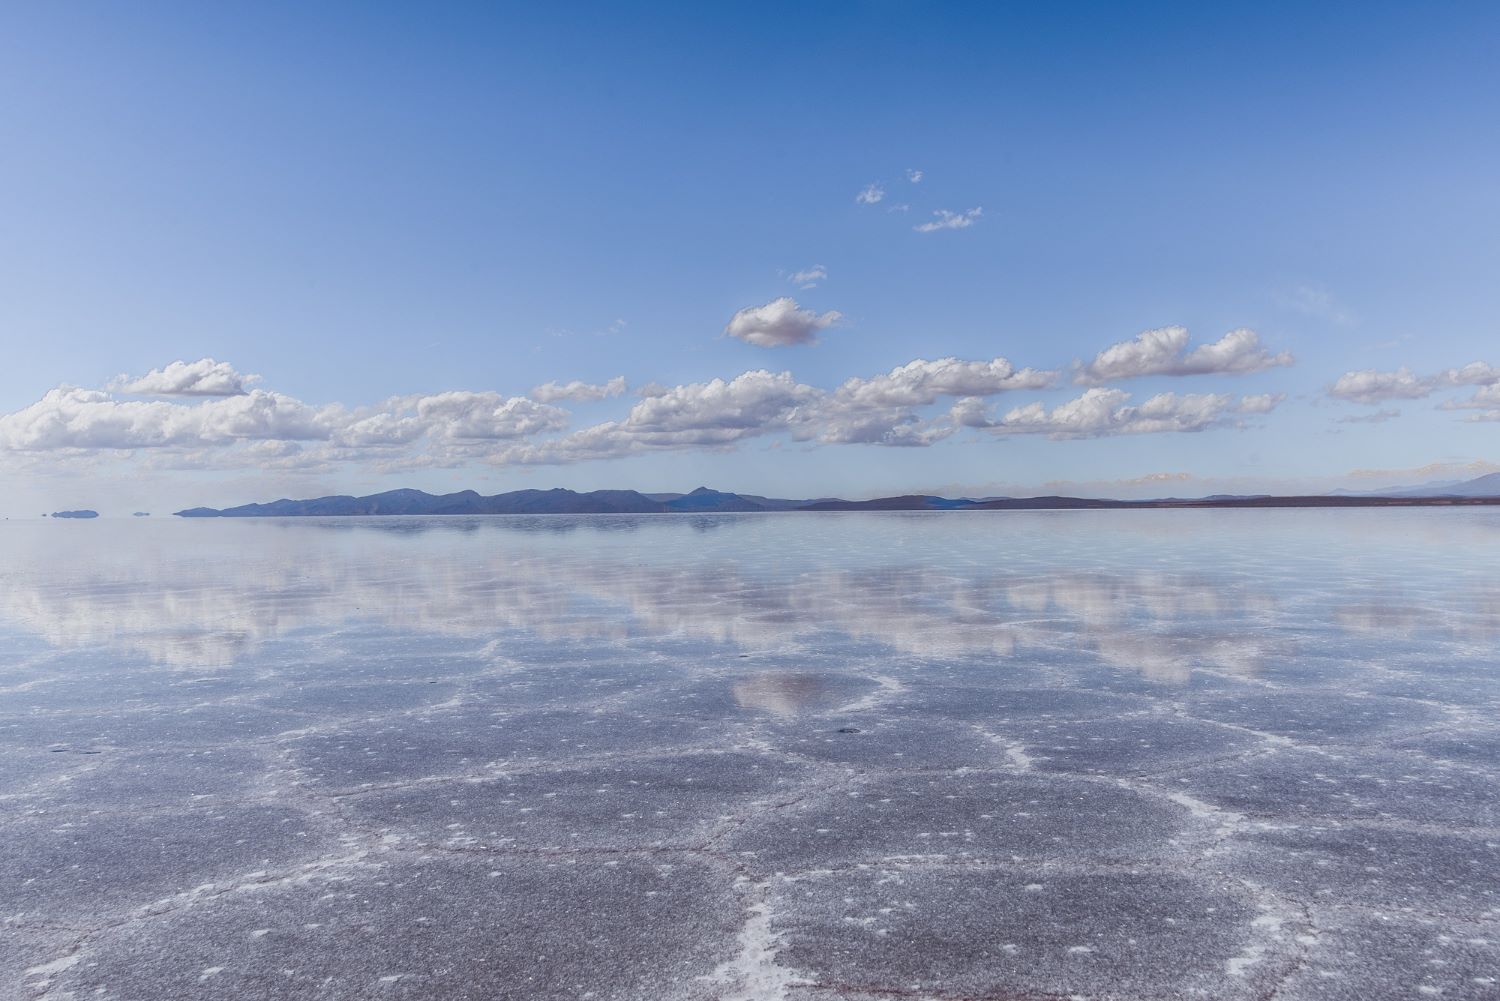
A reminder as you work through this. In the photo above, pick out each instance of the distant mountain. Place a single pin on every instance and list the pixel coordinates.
(707, 501)
(75, 514)
(906, 502)
(557, 501)
(416, 502)
(1482, 486)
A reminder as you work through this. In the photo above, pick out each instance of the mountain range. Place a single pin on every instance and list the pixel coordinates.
(1483, 490)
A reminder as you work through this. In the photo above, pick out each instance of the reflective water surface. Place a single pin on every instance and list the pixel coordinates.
(1133, 754)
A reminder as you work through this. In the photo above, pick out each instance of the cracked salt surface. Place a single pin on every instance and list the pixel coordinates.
(1103, 755)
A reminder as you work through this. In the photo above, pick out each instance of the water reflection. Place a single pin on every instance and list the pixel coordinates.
(782, 694)
(1162, 595)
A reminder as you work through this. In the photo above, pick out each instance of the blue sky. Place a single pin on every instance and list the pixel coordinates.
(403, 219)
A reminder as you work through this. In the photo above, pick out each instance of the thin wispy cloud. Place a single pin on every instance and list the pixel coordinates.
(870, 194)
(577, 390)
(950, 220)
(1316, 302)
(914, 176)
(1378, 417)
(809, 277)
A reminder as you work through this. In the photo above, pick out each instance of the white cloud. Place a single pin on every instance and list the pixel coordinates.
(551, 392)
(1262, 403)
(1476, 373)
(1371, 386)
(808, 277)
(204, 377)
(1099, 412)
(1164, 352)
(922, 382)
(779, 323)
(72, 418)
(871, 194)
(487, 416)
(1485, 398)
(880, 410)
(914, 176)
(950, 220)
(971, 412)
(712, 414)
(751, 402)
(260, 429)
(892, 428)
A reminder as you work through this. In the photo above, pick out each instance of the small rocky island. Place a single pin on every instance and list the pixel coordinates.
(85, 513)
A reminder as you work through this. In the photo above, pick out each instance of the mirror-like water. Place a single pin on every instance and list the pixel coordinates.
(1138, 754)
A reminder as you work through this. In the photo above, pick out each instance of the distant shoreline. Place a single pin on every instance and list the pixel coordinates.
(398, 503)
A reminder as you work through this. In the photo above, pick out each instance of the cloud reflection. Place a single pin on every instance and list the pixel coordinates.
(202, 596)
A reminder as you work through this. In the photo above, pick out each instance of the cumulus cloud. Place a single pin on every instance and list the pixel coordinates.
(204, 377)
(914, 176)
(971, 412)
(808, 277)
(72, 418)
(1484, 398)
(901, 429)
(921, 382)
(1371, 386)
(1476, 373)
(260, 429)
(1164, 351)
(711, 414)
(1100, 412)
(880, 410)
(751, 402)
(551, 392)
(487, 416)
(1262, 403)
(779, 323)
(950, 220)
(871, 194)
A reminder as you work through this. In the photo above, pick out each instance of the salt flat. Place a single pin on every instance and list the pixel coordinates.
(1131, 754)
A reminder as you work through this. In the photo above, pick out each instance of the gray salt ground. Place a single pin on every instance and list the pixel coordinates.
(1122, 755)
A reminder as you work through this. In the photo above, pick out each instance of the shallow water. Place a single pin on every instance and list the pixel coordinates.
(1128, 754)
